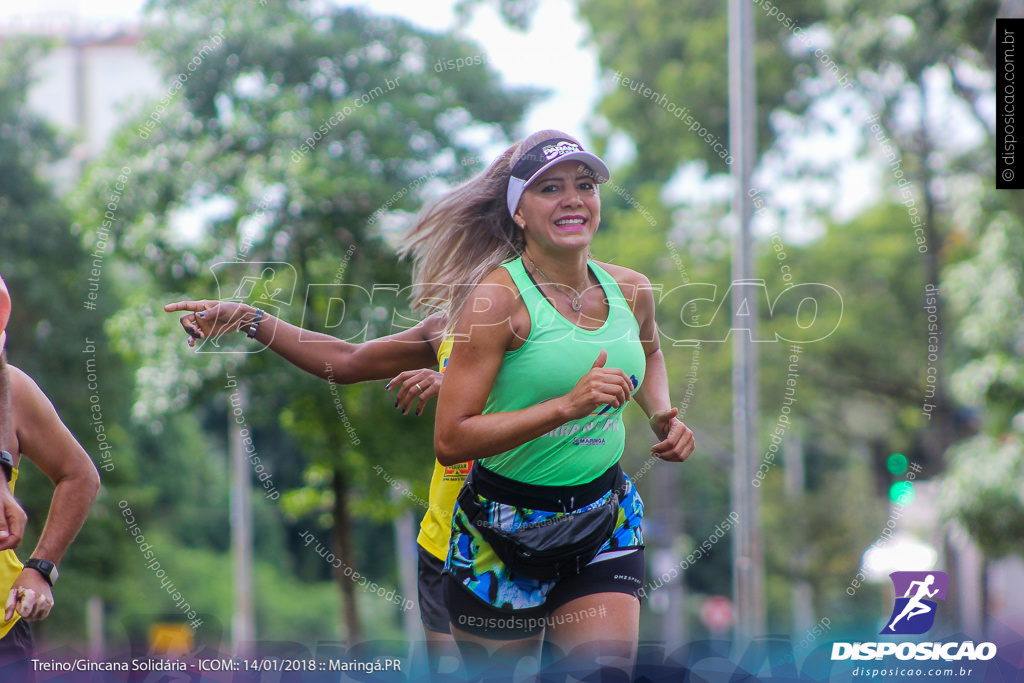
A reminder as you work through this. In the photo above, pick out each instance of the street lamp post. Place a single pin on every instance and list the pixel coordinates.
(748, 570)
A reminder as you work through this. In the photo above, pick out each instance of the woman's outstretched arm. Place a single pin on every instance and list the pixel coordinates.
(318, 354)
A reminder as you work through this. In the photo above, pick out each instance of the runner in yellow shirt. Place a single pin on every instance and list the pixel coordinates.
(30, 427)
(407, 357)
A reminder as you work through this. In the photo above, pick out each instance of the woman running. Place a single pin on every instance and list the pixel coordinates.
(549, 347)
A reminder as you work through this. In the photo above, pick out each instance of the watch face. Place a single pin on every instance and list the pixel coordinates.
(44, 567)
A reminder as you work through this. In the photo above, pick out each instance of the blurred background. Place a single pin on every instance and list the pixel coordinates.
(141, 145)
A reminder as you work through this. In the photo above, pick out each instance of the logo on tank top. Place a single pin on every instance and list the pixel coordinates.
(609, 425)
(457, 471)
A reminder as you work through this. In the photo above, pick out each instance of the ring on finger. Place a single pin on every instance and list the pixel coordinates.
(419, 388)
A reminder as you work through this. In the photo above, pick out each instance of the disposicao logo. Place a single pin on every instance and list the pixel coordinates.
(914, 612)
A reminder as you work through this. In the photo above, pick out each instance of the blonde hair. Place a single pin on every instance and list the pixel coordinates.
(467, 233)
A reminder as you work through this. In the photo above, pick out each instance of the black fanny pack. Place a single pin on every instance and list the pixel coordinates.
(554, 548)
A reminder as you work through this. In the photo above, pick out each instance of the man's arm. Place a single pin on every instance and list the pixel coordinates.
(5, 313)
(44, 440)
(12, 516)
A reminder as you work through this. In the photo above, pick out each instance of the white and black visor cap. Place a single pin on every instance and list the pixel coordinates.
(543, 156)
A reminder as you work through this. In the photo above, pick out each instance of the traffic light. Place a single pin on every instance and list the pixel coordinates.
(901, 491)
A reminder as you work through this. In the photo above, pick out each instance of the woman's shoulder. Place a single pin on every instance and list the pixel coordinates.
(495, 304)
(498, 287)
(625, 277)
(636, 290)
(500, 277)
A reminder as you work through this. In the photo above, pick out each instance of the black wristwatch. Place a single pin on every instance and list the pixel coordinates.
(7, 464)
(45, 567)
(255, 324)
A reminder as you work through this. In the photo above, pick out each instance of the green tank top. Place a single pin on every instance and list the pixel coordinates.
(553, 358)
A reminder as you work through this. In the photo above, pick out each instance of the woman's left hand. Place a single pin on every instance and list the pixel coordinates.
(208, 318)
(677, 442)
(416, 385)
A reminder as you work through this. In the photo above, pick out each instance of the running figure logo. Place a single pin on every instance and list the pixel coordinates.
(914, 613)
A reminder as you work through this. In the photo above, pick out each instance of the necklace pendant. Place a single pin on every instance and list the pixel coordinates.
(576, 304)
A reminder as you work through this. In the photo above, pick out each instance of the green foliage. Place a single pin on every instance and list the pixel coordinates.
(518, 13)
(28, 141)
(304, 122)
(57, 341)
(983, 488)
(674, 108)
(285, 609)
(878, 349)
(246, 130)
(43, 265)
(294, 133)
(988, 290)
(983, 492)
(911, 36)
(259, 153)
(679, 51)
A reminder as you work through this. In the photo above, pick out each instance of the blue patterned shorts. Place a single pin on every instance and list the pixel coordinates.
(474, 564)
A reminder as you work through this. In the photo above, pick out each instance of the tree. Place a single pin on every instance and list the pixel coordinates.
(858, 63)
(983, 489)
(299, 133)
(923, 93)
(674, 107)
(57, 341)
